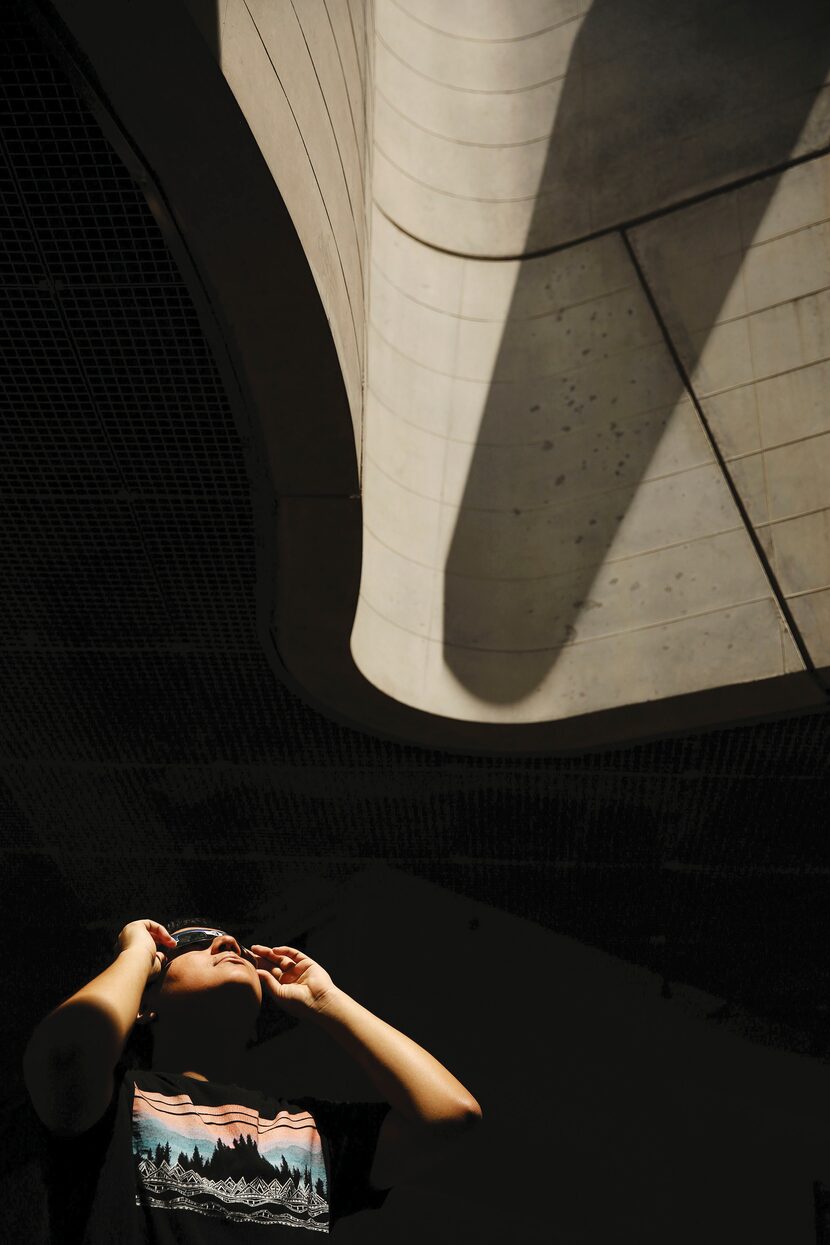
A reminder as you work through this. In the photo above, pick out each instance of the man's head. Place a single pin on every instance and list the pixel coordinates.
(204, 1004)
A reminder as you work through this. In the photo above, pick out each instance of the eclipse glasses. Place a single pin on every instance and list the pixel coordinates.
(198, 939)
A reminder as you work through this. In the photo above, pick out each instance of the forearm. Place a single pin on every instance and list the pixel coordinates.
(407, 1076)
(98, 1018)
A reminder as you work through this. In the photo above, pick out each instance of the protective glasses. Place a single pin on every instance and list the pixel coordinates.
(198, 939)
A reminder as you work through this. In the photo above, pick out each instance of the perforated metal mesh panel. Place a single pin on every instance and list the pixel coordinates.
(126, 510)
(139, 719)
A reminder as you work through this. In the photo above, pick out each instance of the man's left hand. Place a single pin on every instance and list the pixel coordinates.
(293, 981)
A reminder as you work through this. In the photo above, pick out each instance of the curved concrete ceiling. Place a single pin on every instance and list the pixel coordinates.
(572, 258)
(550, 528)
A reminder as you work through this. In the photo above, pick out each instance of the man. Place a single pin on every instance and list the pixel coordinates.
(181, 1151)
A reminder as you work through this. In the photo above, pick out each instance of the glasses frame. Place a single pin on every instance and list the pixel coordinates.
(198, 939)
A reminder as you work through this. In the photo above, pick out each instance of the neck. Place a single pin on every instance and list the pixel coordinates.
(221, 1058)
(222, 1066)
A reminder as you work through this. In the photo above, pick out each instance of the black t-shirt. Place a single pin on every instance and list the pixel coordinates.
(174, 1159)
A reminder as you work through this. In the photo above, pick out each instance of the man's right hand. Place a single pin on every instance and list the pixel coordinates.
(149, 936)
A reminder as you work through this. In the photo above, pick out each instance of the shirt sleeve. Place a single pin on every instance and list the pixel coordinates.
(350, 1132)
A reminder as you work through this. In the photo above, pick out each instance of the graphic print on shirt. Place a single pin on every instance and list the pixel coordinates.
(228, 1162)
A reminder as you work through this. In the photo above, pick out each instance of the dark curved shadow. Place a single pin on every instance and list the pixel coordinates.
(662, 102)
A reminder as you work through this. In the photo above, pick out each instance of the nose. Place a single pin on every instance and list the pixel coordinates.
(229, 943)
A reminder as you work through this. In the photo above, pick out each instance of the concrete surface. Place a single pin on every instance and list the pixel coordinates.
(548, 530)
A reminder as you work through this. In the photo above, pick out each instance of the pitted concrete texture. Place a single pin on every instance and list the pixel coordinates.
(548, 530)
(546, 527)
(761, 368)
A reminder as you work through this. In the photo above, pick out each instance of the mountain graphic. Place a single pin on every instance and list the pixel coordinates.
(241, 1160)
(234, 1182)
(226, 1161)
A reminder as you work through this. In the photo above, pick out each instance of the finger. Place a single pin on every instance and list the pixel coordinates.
(270, 974)
(286, 963)
(274, 955)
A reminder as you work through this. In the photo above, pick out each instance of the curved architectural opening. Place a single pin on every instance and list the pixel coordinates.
(469, 481)
(549, 530)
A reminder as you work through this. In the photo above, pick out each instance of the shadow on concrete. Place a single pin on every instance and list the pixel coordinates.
(661, 103)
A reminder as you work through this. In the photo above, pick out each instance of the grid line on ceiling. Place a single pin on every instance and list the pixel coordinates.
(92, 222)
